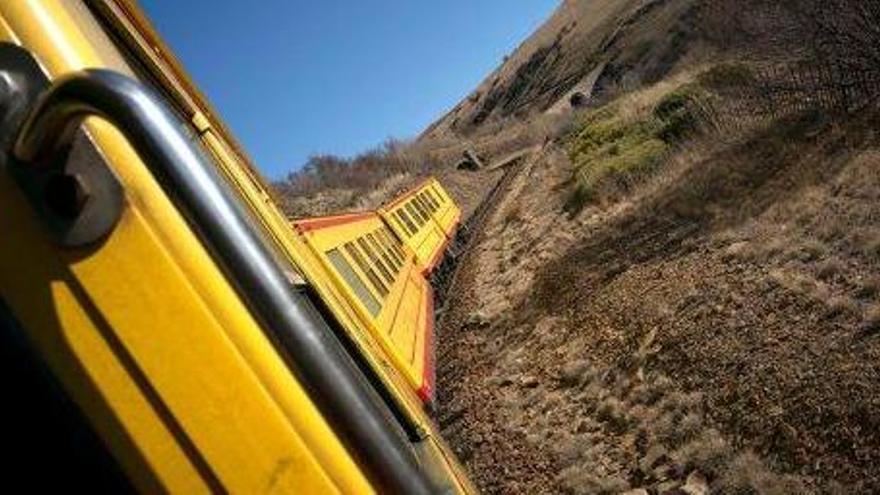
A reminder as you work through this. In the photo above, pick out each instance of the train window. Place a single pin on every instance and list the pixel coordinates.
(392, 245)
(430, 196)
(399, 219)
(376, 262)
(417, 201)
(358, 258)
(408, 221)
(419, 209)
(422, 206)
(428, 201)
(384, 252)
(391, 237)
(354, 281)
(395, 243)
(440, 198)
(407, 210)
(424, 197)
(385, 248)
(414, 213)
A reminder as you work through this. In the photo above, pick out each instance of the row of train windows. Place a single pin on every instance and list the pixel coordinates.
(379, 255)
(417, 210)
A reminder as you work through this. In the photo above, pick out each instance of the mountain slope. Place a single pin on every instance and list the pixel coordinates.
(679, 293)
(591, 46)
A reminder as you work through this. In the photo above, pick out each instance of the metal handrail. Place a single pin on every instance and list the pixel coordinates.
(315, 356)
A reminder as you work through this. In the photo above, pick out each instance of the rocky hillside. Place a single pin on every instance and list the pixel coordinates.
(679, 293)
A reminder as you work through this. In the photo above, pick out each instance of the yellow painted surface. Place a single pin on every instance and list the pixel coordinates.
(448, 215)
(429, 240)
(232, 162)
(150, 303)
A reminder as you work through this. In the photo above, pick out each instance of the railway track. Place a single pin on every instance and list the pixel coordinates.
(445, 276)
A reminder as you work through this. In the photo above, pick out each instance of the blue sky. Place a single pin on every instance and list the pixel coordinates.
(294, 78)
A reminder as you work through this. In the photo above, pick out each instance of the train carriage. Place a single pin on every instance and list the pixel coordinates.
(382, 279)
(424, 218)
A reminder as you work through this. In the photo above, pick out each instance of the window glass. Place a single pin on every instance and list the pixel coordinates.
(385, 252)
(440, 197)
(414, 213)
(354, 281)
(395, 243)
(391, 237)
(420, 207)
(376, 262)
(426, 198)
(399, 219)
(417, 202)
(411, 227)
(425, 201)
(358, 258)
(431, 197)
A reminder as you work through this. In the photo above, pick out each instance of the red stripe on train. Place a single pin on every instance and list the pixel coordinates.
(325, 222)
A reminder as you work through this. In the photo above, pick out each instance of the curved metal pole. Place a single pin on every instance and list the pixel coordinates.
(354, 409)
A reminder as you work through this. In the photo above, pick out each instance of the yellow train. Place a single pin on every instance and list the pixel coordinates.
(164, 327)
(378, 261)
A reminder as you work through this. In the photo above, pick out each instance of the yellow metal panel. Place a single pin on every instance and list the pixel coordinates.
(289, 397)
(407, 319)
(449, 215)
(251, 188)
(154, 294)
(426, 242)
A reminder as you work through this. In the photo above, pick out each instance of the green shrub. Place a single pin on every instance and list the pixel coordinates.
(676, 114)
(610, 154)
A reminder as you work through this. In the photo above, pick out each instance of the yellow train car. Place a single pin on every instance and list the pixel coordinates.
(383, 281)
(413, 218)
(163, 328)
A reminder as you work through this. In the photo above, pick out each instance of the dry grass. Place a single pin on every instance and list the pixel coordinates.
(830, 269)
(614, 412)
(577, 481)
(577, 372)
(808, 250)
(747, 474)
(512, 215)
(868, 242)
(870, 287)
(709, 453)
(871, 321)
(639, 105)
(840, 306)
